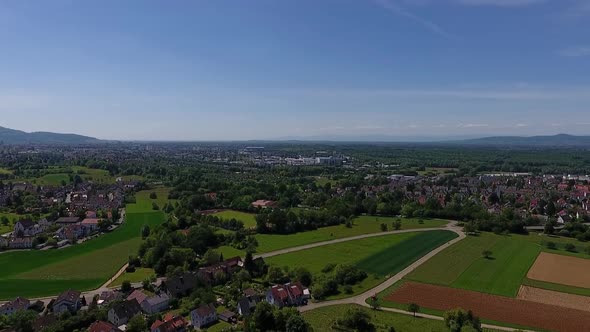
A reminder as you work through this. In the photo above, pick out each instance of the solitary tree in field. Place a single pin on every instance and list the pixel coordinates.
(153, 195)
(487, 254)
(384, 227)
(413, 308)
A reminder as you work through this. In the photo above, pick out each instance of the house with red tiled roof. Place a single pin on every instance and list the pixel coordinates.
(264, 204)
(170, 323)
(278, 296)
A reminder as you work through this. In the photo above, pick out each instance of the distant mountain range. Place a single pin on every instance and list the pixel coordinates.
(11, 136)
(560, 140)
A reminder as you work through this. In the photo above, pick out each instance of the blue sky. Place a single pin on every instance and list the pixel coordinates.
(259, 69)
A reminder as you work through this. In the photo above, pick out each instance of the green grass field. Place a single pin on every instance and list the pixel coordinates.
(12, 217)
(247, 218)
(84, 266)
(143, 202)
(379, 257)
(463, 266)
(139, 275)
(323, 319)
(362, 225)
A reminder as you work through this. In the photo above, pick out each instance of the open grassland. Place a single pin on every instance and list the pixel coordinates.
(84, 266)
(323, 319)
(379, 257)
(463, 266)
(139, 275)
(54, 176)
(143, 202)
(247, 218)
(362, 225)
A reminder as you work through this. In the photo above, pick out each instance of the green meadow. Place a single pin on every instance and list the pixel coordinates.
(463, 266)
(248, 219)
(380, 257)
(362, 225)
(324, 319)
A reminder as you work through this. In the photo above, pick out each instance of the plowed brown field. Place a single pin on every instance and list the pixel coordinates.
(561, 269)
(492, 307)
(554, 298)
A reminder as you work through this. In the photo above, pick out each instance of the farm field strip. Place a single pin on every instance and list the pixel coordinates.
(560, 299)
(559, 269)
(493, 307)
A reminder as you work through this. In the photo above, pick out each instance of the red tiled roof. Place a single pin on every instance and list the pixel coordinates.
(138, 295)
(100, 326)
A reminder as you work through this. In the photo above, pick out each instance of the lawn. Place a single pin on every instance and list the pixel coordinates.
(463, 266)
(139, 275)
(12, 217)
(362, 225)
(379, 257)
(247, 218)
(143, 202)
(5, 171)
(84, 266)
(323, 319)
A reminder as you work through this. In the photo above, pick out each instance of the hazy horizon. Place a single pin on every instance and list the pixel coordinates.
(265, 70)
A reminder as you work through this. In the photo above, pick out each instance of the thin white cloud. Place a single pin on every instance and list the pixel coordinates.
(472, 125)
(576, 51)
(395, 8)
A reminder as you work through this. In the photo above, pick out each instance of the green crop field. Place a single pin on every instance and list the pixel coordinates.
(83, 266)
(323, 319)
(247, 218)
(379, 257)
(362, 225)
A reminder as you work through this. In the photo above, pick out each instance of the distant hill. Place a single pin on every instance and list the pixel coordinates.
(533, 141)
(11, 136)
